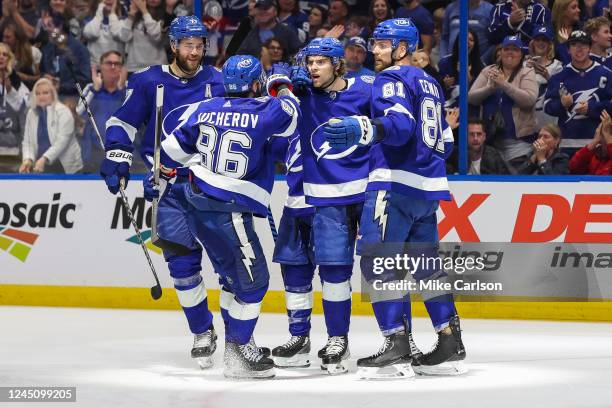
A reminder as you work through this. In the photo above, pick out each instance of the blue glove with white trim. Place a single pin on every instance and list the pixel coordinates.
(114, 167)
(300, 77)
(349, 131)
(282, 68)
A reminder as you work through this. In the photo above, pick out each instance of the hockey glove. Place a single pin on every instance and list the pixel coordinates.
(349, 131)
(300, 77)
(281, 68)
(151, 191)
(116, 166)
(276, 81)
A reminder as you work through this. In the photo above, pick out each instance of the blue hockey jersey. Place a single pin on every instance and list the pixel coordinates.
(536, 14)
(296, 201)
(333, 176)
(226, 143)
(594, 86)
(408, 103)
(138, 109)
(605, 61)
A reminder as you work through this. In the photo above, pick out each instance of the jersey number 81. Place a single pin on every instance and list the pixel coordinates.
(217, 153)
(431, 124)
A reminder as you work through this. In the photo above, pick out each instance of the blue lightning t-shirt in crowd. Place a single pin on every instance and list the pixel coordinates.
(139, 106)
(332, 176)
(593, 86)
(408, 103)
(226, 143)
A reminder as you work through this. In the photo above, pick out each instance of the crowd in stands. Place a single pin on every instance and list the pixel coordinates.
(539, 72)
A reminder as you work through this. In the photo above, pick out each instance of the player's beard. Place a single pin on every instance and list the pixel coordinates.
(380, 65)
(188, 67)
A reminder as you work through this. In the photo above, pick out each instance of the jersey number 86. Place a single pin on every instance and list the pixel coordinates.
(217, 151)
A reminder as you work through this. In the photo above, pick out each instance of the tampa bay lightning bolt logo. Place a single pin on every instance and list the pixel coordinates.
(582, 96)
(293, 163)
(177, 117)
(323, 150)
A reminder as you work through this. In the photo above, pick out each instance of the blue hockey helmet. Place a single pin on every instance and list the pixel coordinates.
(186, 27)
(396, 30)
(326, 47)
(240, 72)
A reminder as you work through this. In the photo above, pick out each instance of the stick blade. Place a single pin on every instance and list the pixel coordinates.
(156, 292)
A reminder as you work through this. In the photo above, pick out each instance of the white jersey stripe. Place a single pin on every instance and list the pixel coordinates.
(409, 179)
(336, 190)
(238, 186)
(127, 128)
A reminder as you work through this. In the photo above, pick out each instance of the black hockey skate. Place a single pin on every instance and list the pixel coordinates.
(447, 356)
(294, 353)
(246, 361)
(335, 355)
(263, 350)
(204, 345)
(392, 360)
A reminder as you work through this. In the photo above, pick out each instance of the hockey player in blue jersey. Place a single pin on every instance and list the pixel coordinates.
(227, 144)
(185, 81)
(578, 94)
(408, 136)
(334, 183)
(293, 251)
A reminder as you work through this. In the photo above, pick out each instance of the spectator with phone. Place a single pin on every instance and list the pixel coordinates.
(541, 58)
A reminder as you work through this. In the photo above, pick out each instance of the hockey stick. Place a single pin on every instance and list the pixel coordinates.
(156, 291)
(239, 36)
(159, 102)
(272, 224)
